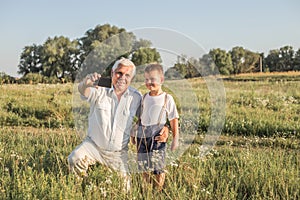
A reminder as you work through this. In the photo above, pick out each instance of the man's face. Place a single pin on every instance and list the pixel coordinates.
(121, 77)
(153, 80)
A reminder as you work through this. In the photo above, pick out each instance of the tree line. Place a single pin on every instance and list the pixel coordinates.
(60, 59)
(236, 61)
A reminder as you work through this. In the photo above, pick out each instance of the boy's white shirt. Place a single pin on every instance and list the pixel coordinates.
(152, 106)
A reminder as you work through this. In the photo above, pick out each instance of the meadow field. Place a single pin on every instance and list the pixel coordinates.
(257, 155)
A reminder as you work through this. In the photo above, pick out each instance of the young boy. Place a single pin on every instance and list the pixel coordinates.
(156, 108)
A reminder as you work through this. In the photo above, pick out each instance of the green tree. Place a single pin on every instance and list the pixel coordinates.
(207, 64)
(286, 55)
(145, 55)
(193, 68)
(100, 33)
(251, 63)
(296, 64)
(106, 52)
(222, 61)
(184, 68)
(181, 66)
(271, 61)
(238, 58)
(244, 61)
(141, 44)
(97, 50)
(31, 60)
(60, 57)
(6, 79)
(104, 44)
(280, 59)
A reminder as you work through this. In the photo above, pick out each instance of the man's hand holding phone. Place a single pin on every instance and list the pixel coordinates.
(95, 79)
(91, 79)
(104, 82)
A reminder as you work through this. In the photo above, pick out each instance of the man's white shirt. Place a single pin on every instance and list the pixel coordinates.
(110, 120)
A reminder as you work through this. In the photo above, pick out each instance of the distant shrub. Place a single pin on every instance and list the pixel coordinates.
(6, 79)
(31, 78)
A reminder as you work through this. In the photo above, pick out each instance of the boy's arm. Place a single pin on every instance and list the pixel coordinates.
(134, 131)
(136, 122)
(175, 133)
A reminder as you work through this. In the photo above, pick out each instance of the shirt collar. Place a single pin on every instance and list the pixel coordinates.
(125, 94)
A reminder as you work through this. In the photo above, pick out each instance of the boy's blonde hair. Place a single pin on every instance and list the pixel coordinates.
(153, 67)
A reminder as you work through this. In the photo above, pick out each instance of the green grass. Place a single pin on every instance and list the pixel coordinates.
(36, 105)
(259, 108)
(34, 166)
(256, 157)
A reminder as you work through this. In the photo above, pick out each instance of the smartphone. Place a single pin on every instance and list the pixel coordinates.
(104, 82)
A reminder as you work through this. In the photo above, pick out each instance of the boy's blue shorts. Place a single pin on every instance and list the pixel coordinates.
(151, 154)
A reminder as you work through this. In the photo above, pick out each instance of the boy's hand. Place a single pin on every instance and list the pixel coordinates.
(132, 139)
(164, 134)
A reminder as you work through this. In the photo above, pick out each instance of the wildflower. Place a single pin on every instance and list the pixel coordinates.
(108, 181)
(103, 191)
(174, 164)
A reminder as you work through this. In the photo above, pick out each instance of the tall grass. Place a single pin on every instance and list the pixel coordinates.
(258, 108)
(256, 157)
(36, 105)
(34, 166)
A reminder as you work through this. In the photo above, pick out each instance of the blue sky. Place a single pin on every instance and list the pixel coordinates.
(257, 25)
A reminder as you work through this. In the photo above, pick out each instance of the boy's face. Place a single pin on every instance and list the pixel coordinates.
(153, 80)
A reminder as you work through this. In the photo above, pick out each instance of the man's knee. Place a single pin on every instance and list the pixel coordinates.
(72, 158)
(78, 160)
(77, 164)
(71, 162)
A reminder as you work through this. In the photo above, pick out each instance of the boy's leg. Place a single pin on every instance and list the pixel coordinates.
(147, 177)
(144, 160)
(160, 181)
(159, 151)
(143, 154)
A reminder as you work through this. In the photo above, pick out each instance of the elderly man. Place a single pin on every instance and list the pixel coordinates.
(112, 111)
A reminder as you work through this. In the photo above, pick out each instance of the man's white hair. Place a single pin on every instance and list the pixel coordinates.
(125, 62)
